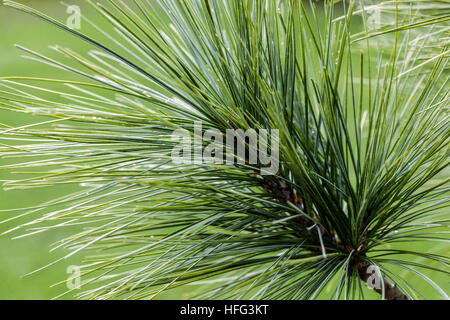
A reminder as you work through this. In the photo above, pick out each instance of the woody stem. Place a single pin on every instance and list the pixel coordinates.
(378, 284)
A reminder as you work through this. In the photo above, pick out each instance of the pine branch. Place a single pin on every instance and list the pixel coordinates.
(363, 148)
(283, 193)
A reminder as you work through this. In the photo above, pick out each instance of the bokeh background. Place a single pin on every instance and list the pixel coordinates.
(23, 255)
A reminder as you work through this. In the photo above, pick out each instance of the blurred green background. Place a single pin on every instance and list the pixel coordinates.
(21, 256)
(24, 255)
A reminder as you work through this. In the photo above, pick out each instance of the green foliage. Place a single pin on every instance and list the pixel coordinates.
(363, 147)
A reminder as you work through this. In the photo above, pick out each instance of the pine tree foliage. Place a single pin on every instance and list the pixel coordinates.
(362, 113)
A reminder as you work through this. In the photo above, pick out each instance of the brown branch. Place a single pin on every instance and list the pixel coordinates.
(391, 292)
(282, 193)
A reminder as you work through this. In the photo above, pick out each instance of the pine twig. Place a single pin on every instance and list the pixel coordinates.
(391, 292)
